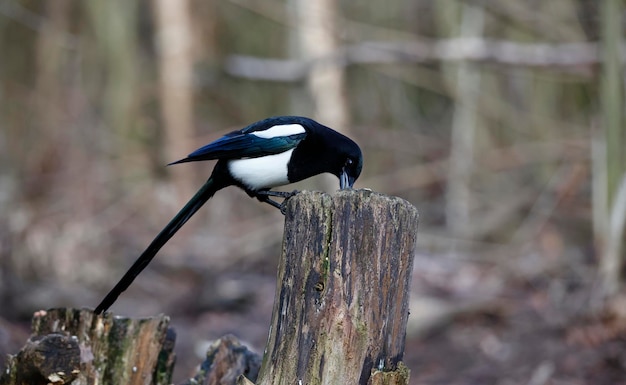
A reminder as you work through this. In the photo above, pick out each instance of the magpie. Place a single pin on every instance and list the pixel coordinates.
(272, 152)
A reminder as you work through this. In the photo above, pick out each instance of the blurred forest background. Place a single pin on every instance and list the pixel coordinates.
(501, 120)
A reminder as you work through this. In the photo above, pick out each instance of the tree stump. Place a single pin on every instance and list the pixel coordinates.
(341, 304)
(75, 346)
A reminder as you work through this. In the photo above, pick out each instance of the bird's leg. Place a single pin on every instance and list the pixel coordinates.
(280, 194)
(266, 199)
(264, 196)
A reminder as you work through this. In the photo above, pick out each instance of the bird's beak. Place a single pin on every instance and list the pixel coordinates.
(345, 181)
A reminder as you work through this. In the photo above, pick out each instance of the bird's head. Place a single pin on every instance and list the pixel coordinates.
(341, 155)
(352, 165)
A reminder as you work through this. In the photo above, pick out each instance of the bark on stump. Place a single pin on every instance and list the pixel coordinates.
(75, 346)
(341, 304)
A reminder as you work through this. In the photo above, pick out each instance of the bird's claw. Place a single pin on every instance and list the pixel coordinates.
(263, 196)
(287, 196)
(292, 194)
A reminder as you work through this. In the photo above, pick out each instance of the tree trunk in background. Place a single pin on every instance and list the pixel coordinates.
(174, 43)
(317, 35)
(317, 43)
(612, 102)
(114, 23)
(464, 123)
(49, 68)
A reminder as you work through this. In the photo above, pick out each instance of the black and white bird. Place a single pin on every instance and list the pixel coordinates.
(269, 153)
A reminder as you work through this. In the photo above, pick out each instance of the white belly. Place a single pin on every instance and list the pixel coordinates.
(264, 172)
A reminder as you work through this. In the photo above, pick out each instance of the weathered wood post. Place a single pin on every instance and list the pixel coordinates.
(341, 305)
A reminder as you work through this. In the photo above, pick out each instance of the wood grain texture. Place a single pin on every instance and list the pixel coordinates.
(341, 304)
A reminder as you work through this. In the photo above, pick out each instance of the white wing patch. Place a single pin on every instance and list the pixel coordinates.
(278, 131)
(262, 172)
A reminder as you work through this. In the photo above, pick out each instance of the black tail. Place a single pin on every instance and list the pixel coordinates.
(204, 194)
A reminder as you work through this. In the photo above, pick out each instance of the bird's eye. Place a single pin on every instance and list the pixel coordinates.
(349, 162)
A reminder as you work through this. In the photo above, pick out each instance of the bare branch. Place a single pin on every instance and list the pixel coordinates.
(577, 57)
